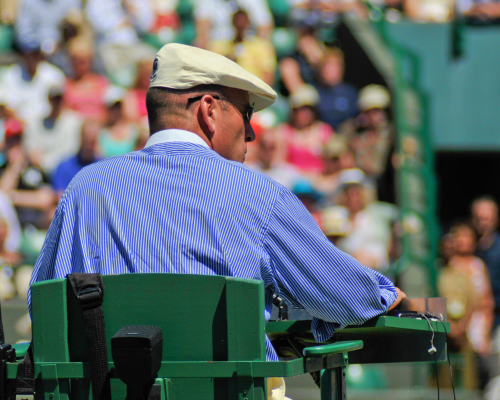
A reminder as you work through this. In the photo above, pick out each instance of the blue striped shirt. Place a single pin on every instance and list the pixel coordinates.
(179, 207)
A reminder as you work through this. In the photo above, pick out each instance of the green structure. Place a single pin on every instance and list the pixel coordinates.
(213, 338)
(415, 177)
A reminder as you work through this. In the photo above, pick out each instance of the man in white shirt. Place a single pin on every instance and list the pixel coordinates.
(50, 140)
(26, 86)
(213, 19)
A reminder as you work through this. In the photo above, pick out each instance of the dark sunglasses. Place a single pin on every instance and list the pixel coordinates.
(247, 112)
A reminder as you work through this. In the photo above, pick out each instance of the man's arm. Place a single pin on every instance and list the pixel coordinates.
(311, 273)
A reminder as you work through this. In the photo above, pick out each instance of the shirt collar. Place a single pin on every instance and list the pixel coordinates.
(175, 135)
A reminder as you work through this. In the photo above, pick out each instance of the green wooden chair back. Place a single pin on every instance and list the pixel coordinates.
(203, 318)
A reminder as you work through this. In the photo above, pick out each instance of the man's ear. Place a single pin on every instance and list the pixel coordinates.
(207, 115)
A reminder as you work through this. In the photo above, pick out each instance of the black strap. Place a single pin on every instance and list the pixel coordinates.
(25, 381)
(89, 291)
(2, 336)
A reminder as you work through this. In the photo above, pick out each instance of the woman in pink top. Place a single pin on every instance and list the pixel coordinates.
(303, 139)
(84, 93)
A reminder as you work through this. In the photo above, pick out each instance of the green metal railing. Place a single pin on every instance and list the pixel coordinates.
(415, 178)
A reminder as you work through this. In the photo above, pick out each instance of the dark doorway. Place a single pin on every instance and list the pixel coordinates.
(359, 70)
(463, 176)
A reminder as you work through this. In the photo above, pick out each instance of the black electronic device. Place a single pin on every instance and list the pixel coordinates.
(137, 353)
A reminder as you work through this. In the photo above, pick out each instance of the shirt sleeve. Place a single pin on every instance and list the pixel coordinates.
(311, 273)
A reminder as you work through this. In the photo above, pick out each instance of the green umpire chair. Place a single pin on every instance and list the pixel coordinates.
(213, 331)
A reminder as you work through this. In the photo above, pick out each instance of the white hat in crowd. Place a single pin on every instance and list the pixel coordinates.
(113, 95)
(178, 66)
(351, 176)
(306, 95)
(373, 96)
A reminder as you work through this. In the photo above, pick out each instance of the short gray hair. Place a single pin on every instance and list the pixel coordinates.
(161, 102)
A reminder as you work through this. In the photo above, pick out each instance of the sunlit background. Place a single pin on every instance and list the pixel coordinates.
(386, 127)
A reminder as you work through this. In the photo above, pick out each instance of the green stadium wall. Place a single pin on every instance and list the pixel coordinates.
(464, 91)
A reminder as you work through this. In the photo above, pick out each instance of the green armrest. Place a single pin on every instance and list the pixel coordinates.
(21, 349)
(339, 347)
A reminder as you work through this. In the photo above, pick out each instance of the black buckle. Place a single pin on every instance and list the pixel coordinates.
(90, 297)
(7, 354)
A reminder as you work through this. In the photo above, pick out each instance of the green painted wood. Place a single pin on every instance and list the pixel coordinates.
(246, 338)
(48, 373)
(339, 347)
(177, 369)
(381, 325)
(50, 330)
(386, 339)
(203, 318)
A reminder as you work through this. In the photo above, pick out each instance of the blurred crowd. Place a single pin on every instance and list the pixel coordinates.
(470, 280)
(73, 88)
(73, 82)
(72, 92)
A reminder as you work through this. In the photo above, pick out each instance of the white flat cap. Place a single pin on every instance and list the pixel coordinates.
(178, 66)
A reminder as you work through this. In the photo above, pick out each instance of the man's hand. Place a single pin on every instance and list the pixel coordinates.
(401, 296)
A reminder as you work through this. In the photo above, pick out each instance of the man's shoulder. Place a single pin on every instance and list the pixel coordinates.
(201, 160)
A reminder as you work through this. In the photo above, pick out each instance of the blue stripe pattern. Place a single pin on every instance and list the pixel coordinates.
(181, 208)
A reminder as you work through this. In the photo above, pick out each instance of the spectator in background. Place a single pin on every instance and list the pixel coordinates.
(87, 154)
(84, 92)
(335, 223)
(6, 256)
(309, 197)
(26, 185)
(26, 85)
(338, 100)
(465, 284)
(322, 13)
(371, 235)
(429, 10)
(302, 140)
(213, 19)
(255, 54)
(484, 213)
(134, 103)
(74, 25)
(50, 140)
(267, 161)
(8, 214)
(301, 67)
(483, 10)
(370, 134)
(8, 259)
(119, 135)
(116, 25)
(40, 21)
(336, 157)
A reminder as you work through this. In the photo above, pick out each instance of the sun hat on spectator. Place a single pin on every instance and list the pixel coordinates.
(55, 91)
(304, 188)
(178, 66)
(335, 221)
(373, 96)
(352, 176)
(114, 94)
(306, 95)
(335, 147)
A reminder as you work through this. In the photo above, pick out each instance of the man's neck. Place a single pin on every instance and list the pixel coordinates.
(178, 135)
